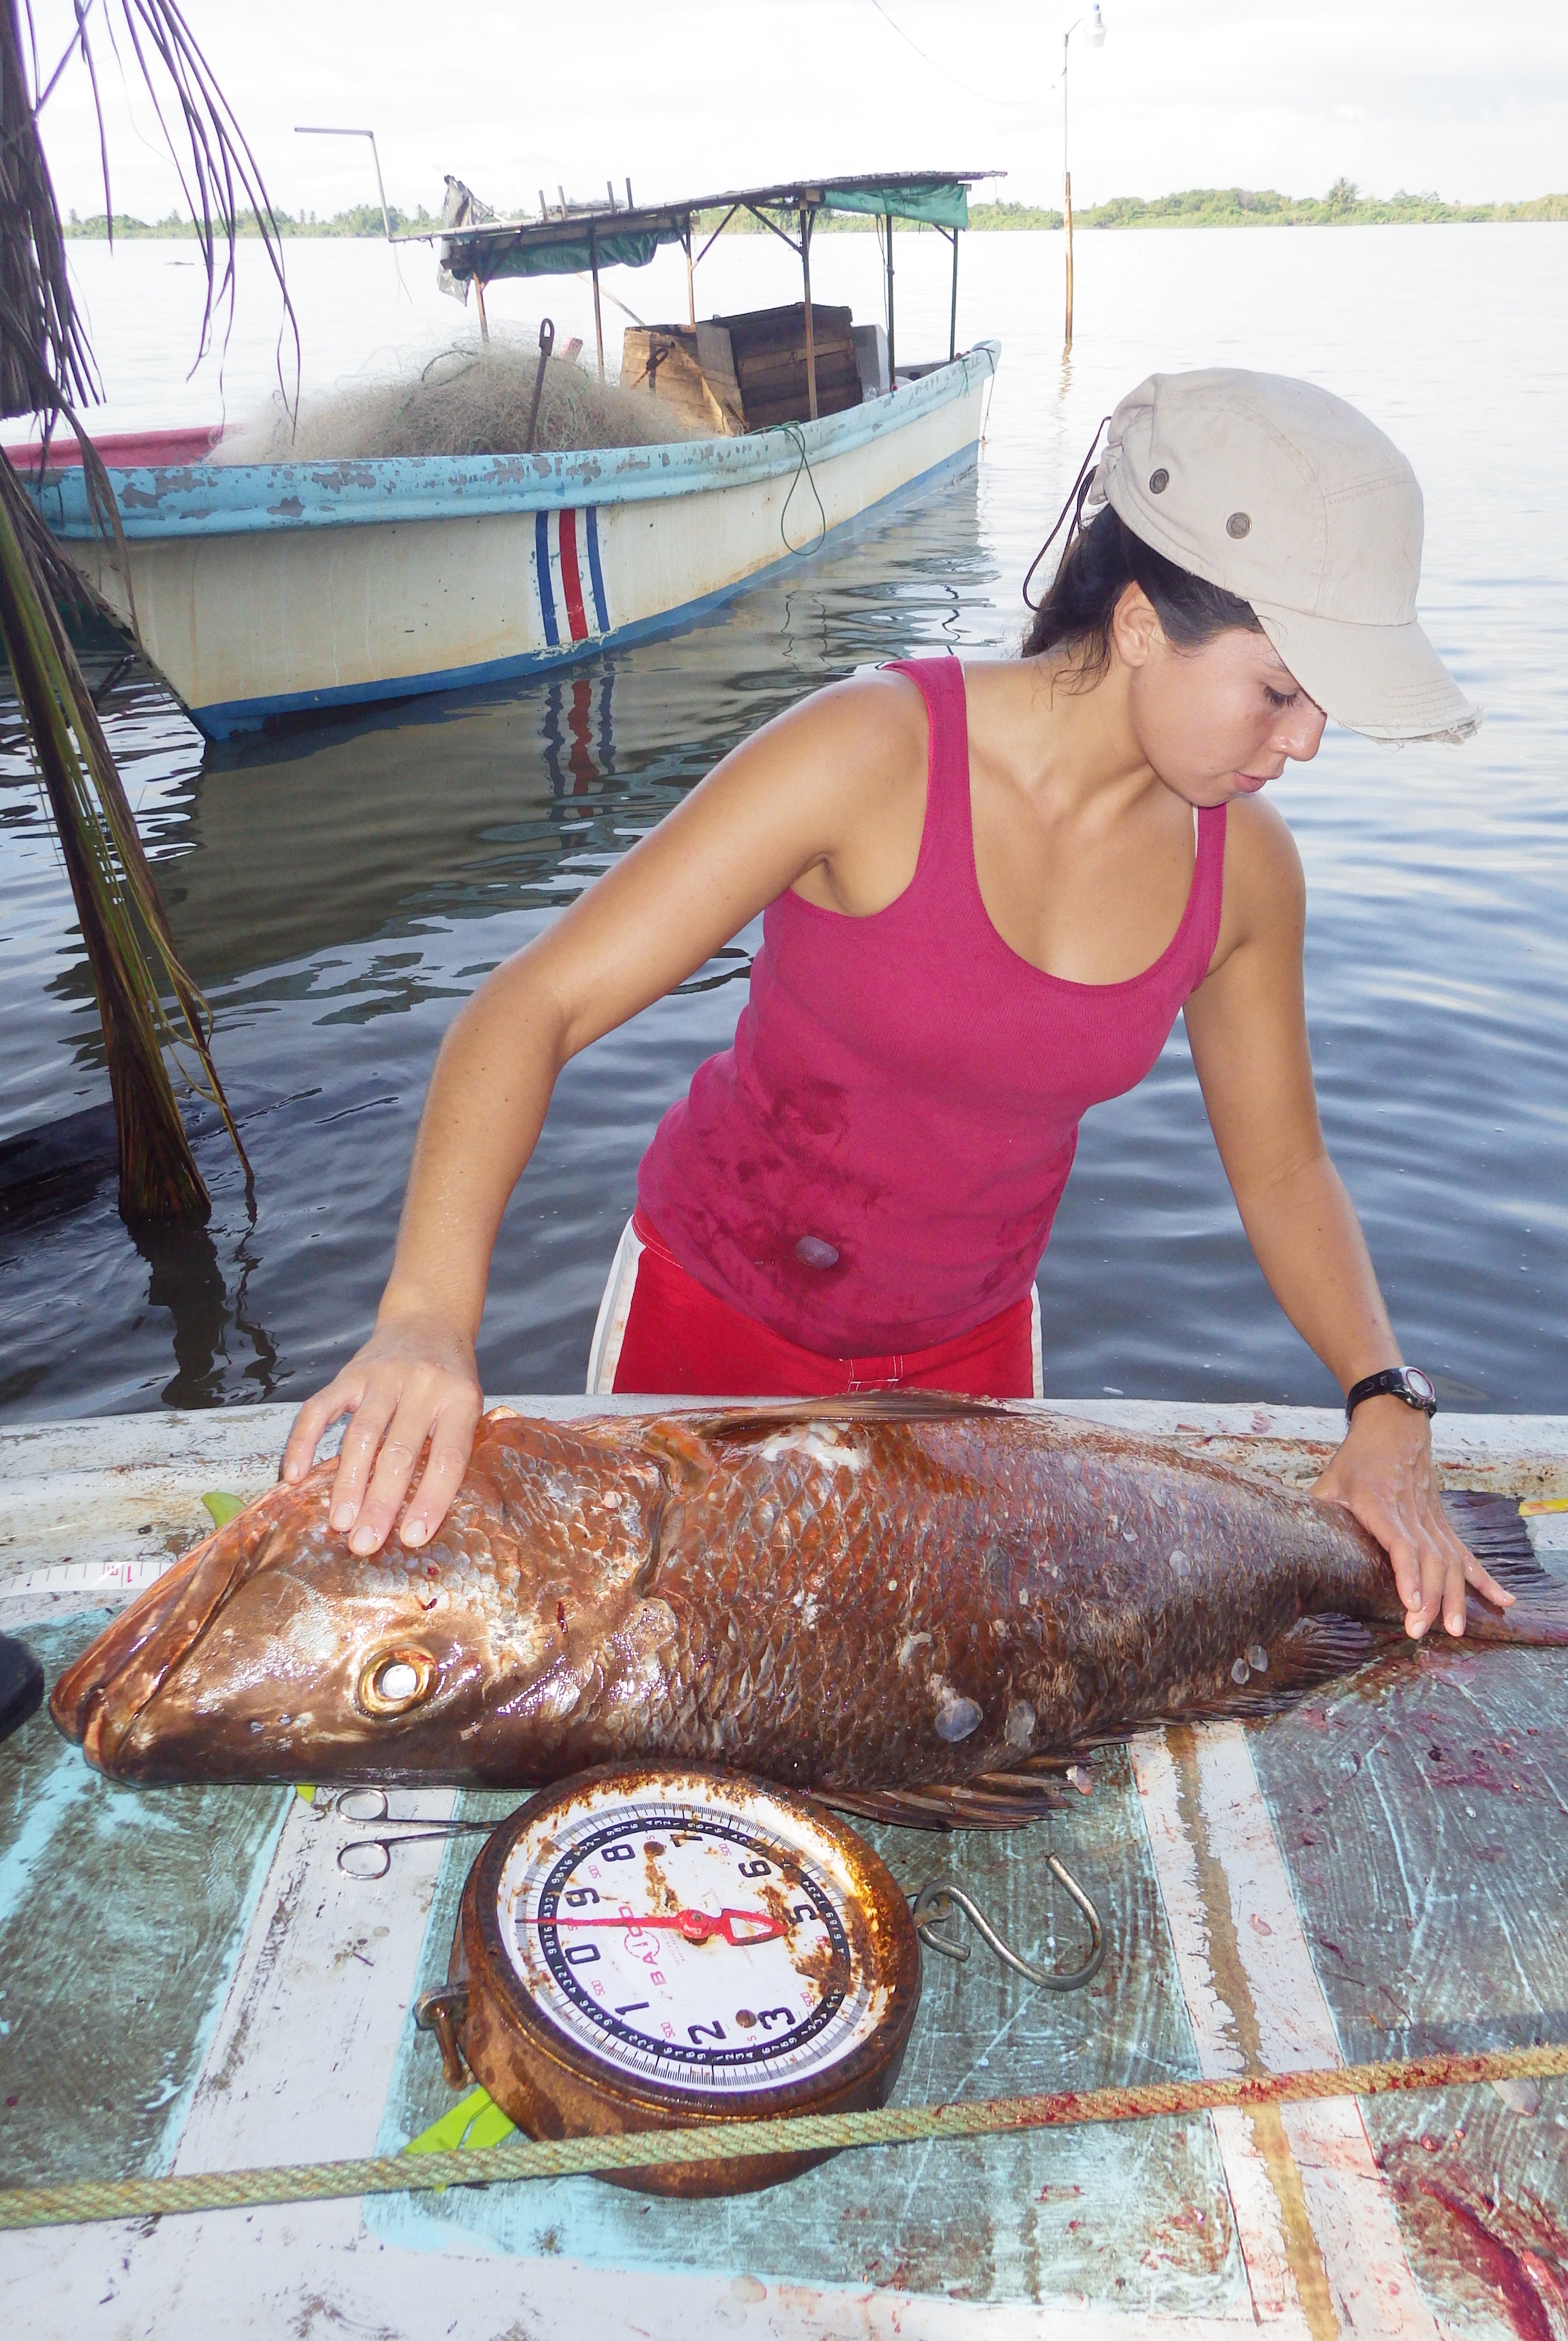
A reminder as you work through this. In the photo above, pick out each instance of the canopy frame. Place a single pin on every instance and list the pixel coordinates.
(610, 235)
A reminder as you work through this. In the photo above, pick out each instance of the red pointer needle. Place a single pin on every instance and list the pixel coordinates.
(695, 1926)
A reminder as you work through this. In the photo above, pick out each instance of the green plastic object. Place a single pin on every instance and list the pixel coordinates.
(475, 2121)
(223, 1507)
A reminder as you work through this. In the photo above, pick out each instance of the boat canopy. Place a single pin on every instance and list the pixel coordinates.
(567, 238)
(476, 247)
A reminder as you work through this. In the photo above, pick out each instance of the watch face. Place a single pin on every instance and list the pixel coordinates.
(1419, 1383)
(717, 1940)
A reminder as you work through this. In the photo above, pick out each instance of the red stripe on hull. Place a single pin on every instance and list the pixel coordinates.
(570, 582)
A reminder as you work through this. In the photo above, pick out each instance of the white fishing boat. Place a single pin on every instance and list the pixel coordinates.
(264, 590)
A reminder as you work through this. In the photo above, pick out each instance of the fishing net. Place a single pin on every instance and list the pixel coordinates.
(473, 399)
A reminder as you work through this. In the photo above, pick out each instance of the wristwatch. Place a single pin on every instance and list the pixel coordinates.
(1406, 1383)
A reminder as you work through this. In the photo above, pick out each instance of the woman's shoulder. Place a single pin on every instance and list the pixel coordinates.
(1259, 848)
(871, 726)
(1264, 884)
(874, 698)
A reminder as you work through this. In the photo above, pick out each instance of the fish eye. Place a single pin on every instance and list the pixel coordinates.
(393, 1682)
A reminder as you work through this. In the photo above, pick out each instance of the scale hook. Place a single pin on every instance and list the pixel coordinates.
(941, 1898)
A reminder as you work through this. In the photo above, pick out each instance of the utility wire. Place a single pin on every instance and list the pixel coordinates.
(1007, 105)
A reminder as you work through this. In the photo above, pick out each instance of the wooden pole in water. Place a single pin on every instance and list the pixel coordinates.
(484, 319)
(691, 278)
(598, 318)
(1066, 196)
(1067, 213)
(953, 320)
(892, 369)
(805, 219)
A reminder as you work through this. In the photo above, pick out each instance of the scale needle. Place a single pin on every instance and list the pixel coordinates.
(695, 1926)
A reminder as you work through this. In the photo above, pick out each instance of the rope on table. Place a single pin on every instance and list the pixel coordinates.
(83, 2200)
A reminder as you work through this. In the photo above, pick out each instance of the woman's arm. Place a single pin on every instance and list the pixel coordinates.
(806, 798)
(1247, 1026)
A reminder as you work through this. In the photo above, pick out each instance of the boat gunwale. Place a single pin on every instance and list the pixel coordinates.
(164, 503)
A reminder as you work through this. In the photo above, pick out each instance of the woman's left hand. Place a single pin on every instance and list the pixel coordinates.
(1383, 1474)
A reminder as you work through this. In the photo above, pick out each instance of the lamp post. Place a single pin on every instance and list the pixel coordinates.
(1095, 33)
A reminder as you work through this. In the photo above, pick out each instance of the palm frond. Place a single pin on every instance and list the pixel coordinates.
(46, 369)
(42, 348)
(115, 896)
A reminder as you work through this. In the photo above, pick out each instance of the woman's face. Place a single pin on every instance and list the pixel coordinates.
(1218, 721)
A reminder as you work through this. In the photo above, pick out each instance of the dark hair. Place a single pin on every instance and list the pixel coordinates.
(1100, 562)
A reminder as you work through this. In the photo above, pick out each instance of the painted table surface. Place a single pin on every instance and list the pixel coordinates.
(188, 1982)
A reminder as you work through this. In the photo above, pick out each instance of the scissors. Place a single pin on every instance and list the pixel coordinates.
(369, 1857)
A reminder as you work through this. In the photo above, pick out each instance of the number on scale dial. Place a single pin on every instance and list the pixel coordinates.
(688, 1946)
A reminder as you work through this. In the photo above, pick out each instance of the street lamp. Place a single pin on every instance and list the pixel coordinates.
(1095, 33)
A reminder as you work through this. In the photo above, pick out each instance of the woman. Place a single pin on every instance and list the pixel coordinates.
(988, 891)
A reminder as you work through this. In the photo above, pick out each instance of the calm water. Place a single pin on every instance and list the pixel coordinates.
(339, 890)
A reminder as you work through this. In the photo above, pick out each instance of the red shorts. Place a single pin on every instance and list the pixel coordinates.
(683, 1341)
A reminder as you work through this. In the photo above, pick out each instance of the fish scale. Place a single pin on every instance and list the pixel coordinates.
(903, 1593)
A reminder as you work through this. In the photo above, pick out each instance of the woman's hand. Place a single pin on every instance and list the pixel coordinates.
(415, 1379)
(1383, 1474)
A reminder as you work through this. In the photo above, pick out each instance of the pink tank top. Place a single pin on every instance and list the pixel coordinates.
(875, 1163)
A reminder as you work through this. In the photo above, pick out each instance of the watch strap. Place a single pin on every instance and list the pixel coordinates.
(1405, 1383)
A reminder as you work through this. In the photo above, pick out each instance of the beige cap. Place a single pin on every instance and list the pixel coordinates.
(1284, 495)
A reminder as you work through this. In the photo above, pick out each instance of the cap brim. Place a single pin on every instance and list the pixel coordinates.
(1386, 682)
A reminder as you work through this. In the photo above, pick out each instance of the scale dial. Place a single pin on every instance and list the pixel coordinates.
(643, 1949)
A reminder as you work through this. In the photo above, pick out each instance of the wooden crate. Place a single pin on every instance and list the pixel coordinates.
(769, 351)
(665, 362)
(746, 372)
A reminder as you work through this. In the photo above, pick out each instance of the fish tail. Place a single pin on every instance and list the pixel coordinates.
(1492, 1527)
(1537, 1620)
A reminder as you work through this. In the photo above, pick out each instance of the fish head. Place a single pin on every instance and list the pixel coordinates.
(273, 1653)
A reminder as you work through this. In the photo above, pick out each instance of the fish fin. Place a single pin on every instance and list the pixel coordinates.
(1316, 1652)
(1490, 1524)
(679, 1446)
(991, 1800)
(683, 1443)
(1538, 1619)
(1496, 1532)
(766, 1415)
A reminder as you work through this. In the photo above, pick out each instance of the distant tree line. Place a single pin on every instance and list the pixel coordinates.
(364, 219)
(1344, 205)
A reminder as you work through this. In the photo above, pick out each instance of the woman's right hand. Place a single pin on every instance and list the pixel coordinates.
(415, 1379)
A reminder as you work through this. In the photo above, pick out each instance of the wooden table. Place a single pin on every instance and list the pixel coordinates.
(188, 1982)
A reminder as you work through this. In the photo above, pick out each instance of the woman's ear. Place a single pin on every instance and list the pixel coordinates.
(1135, 627)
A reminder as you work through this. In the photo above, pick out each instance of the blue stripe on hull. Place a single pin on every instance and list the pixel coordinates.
(546, 594)
(224, 720)
(601, 607)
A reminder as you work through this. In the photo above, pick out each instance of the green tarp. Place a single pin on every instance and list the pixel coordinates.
(941, 203)
(534, 251)
(567, 256)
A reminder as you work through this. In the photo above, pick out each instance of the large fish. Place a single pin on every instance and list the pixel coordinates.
(903, 1595)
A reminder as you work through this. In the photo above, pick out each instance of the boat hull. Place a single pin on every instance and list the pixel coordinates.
(268, 589)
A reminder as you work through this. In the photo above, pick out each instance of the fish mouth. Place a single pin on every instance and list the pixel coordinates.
(99, 1700)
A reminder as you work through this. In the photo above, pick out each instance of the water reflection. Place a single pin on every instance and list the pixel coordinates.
(591, 756)
(187, 1279)
(291, 847)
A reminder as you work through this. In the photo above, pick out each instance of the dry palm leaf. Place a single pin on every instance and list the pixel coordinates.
(45, 368)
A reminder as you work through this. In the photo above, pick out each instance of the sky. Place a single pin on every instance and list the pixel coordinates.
(684, 96)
